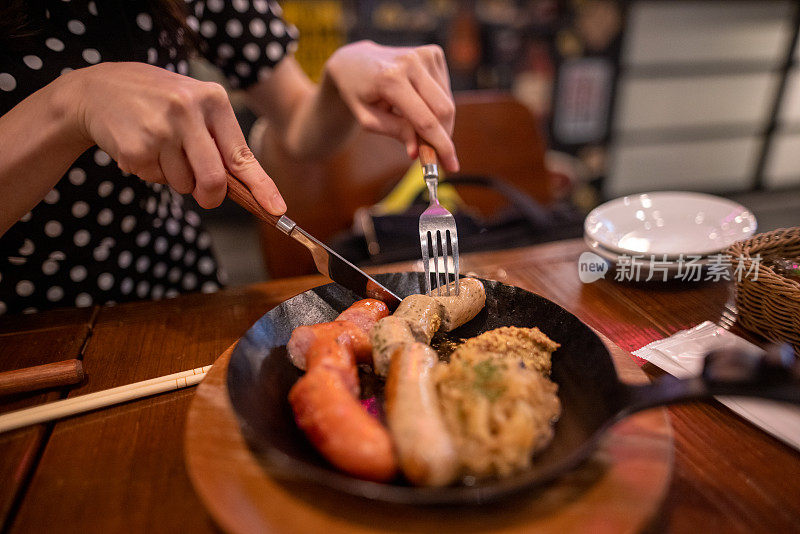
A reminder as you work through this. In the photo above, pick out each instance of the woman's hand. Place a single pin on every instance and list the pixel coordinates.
(168, 128)
(399, 92)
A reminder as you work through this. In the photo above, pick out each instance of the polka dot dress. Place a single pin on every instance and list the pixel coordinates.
(102, 236)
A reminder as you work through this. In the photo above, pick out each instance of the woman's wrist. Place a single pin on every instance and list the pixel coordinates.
(66, 103)
(331, 99)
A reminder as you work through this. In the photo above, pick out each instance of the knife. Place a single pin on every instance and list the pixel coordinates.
(328, 262)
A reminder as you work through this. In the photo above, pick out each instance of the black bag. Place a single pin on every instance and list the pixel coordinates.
(389, 238)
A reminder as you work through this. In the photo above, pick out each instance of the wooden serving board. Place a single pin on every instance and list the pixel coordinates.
(617, 490)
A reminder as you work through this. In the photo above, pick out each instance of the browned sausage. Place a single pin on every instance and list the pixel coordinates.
(339, 427)
(457, 310)
(426, 450)
(338, 357)
(424, 316)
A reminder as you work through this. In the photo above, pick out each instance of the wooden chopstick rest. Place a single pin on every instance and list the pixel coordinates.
(41, 376)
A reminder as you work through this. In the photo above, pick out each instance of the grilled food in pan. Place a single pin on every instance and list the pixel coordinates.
(592, 397)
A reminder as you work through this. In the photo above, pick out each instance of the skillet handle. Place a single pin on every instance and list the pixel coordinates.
(772, 375)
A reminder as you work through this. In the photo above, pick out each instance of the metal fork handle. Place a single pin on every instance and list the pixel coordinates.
(430, 170)
(433, 189)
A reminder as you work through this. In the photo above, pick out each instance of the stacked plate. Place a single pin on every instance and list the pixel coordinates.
(670, 230)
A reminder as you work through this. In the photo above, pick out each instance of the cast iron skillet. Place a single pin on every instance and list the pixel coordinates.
(260, 376)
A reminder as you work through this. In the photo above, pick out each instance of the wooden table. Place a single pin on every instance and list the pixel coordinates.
(121, 469)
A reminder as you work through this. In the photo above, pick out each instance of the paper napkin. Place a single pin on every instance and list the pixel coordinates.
(682, 355)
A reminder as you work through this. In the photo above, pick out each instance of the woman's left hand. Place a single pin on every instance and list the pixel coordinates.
(399, 92)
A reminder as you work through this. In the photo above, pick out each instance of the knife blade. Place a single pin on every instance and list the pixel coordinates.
(328, 262)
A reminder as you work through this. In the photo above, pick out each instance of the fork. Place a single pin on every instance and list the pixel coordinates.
(437, 228)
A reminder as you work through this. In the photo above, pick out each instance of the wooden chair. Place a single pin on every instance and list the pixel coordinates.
(494, 135)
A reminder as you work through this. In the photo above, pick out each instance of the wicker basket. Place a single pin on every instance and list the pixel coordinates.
(769, 303)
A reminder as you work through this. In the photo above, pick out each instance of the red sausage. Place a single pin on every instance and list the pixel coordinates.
(337, 357)
(338, 426)
(365, 313)
(325, 399)
(353, 323)
(344, 332)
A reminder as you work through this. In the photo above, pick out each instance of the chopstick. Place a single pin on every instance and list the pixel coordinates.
(41, 376)
(101, 399)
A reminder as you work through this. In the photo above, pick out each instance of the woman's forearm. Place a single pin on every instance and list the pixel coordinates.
(321, 124)
(311, 120)
(40, 139)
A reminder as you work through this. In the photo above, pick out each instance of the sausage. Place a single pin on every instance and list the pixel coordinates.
(338, 357)
(457, 310)
(426, 451)
(417, 318)
(385, 336)
(353, 323)
(365, 313)
(424, 316)
(325, 400)
(339, 427)
(345, 332)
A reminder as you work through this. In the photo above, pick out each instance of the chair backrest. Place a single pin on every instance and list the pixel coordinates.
(495, 135)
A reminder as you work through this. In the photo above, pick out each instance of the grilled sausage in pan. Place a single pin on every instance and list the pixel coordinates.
(303, 337)
(355, 322)
(338, 426)
(325, 400)
(426, 452)
(457, 310)
(424, 316)
(364, 313)
(387, 335)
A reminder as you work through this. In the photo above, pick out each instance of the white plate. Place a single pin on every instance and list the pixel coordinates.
(669, 222)
(651, 270)
(642, 258)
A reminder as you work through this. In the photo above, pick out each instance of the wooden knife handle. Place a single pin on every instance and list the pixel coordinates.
(241, 194)
(41, 376)
(427, 155)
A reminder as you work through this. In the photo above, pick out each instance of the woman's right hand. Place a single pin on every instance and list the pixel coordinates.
(168, 128)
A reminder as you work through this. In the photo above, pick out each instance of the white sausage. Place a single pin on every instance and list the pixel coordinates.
(387, 334)
(426, 451)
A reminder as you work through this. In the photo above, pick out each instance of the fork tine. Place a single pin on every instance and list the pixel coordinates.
(452, 239)
(435, 259)
(425, 244)
(436, 254)
(446, 260)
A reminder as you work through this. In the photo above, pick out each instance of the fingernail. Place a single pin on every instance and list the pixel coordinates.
(277, 206)
(454, 164)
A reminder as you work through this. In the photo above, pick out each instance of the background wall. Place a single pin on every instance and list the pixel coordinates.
(700, 97)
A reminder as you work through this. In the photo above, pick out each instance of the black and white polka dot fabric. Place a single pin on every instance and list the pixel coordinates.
(101, 236)
(244, 38)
